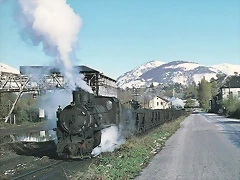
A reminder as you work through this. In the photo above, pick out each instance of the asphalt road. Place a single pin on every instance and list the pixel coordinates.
(206, 147)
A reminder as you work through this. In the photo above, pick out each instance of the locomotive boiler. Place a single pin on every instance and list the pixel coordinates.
(80, 123)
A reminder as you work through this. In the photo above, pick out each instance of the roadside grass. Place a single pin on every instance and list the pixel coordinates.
(128, 161)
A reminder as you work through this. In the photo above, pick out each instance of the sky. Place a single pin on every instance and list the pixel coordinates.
(119, 35)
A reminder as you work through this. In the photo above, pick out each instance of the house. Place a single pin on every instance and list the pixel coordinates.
(231, 86)
(159, 103)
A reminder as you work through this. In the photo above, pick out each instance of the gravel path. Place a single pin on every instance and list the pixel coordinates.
(206, 147)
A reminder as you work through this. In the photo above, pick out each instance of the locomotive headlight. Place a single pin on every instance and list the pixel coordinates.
(109, 105)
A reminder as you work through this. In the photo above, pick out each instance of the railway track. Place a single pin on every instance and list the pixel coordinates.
(55, 171)
(23, 176)
(29, 161)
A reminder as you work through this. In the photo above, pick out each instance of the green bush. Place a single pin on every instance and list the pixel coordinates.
(236, 113)
(232, 106)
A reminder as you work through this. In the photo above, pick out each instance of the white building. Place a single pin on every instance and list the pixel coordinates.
(232, 86)
(234, 91)
(159, 103)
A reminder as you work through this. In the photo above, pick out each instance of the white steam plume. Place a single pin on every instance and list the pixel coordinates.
(54, 24)
(50, 102)
(111, 139)
(176, 102)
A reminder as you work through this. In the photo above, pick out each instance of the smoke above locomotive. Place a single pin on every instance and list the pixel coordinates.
(55, 26)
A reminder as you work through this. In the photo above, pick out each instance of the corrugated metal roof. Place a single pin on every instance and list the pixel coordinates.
(232, 82)
(27, 70)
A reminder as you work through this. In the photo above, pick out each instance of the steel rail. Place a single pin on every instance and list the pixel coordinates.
(36, 170)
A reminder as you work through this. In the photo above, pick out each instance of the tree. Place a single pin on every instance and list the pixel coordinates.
(231, 104)
(4, 106)
(190, 103)
(151, 85)
(21, 115)
(191, 91)
(214, 88)
(24, 110)
(204, 93)
(220, 79)
(221, 75)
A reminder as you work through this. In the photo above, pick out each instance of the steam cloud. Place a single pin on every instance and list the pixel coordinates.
(50, 102)
(113, 137)
(176, 102)
(54, 24)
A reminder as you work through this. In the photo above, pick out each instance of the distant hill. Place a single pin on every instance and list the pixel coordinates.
(183, 72)
(158, 72)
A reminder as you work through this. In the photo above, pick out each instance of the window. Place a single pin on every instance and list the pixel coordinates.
(161, 103)
(157, 103)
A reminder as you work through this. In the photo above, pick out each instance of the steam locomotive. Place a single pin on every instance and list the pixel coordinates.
(79, 124)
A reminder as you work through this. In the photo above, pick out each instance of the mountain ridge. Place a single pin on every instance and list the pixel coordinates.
(179, 71)
(158, 72)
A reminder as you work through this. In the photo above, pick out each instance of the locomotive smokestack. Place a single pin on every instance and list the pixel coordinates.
(81, 97)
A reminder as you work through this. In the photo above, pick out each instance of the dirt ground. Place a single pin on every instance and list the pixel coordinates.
(18, 158)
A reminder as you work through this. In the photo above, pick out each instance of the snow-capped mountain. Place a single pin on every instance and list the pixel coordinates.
(134, 74)
(228, 69)
(6, 68)
(173, 72)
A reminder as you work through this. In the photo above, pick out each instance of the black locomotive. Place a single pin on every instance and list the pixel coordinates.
(80, 123)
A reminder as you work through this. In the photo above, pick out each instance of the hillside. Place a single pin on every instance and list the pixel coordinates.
(183, 72)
